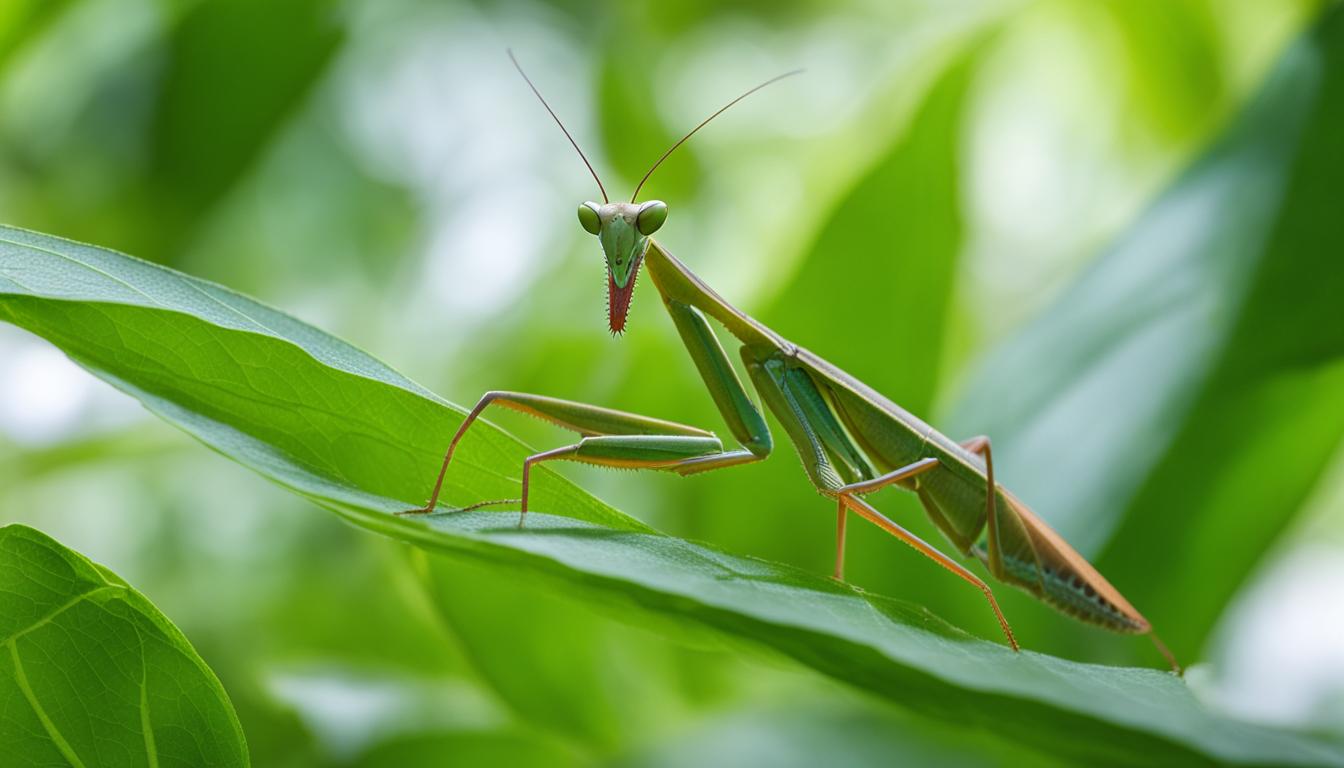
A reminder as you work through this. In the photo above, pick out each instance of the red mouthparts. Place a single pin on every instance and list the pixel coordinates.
(618, 299)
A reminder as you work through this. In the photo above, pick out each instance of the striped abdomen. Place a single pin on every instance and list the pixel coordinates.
(1054, 571)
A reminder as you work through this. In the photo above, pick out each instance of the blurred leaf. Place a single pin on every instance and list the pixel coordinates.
(94, 675)
(563, 665)
(883, 263)
(502, 747)
(338, 427)
(633, 135)
(1172, 61)
(1182, 397)
(816, 732)
(32, 464)
(237, 71)
(544, 653)
(22, 20)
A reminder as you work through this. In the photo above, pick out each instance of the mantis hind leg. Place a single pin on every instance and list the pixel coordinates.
(863, 487)
(980, 445)
(827, 452)
(866, 511)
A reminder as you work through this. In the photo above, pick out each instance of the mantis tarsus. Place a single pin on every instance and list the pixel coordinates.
(852, 440)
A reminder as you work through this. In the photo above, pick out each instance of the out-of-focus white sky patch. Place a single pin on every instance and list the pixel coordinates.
(97, 509)
(349, 711)
(46, 399)
(808, 104)
(482, 255)
(1279, 650)
(425, 108)
(41, 393)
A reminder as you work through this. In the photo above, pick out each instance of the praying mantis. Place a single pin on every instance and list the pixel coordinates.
(851, 439)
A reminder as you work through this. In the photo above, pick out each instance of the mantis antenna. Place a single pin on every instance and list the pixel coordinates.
(722, 109)
(572, 142)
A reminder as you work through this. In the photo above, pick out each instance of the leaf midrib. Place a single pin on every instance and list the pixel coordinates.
(57, 738)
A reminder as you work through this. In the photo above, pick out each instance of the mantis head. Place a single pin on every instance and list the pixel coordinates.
(624, 230)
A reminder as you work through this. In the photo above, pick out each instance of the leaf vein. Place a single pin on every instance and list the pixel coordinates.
(59, 740)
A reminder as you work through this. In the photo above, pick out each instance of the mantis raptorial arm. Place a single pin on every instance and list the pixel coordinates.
(741, 414)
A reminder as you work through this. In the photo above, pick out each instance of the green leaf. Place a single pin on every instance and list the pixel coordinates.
(91, 674)
(1175, 407)
(337, 426)
(321, 405)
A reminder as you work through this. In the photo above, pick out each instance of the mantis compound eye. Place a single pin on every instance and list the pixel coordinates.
(651, 216)
(589, 219)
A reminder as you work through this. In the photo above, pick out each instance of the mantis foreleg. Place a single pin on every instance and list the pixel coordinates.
(620, 439)
(579, 417)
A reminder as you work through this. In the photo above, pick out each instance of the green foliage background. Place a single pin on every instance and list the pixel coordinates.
(949, 205)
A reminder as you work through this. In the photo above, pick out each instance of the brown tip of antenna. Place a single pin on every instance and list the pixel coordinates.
(572, 142)
(705, 122)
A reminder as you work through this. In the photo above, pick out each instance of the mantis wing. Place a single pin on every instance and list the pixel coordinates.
(1024, 551)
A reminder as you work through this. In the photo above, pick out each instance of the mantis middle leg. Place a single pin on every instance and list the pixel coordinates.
(828, 454)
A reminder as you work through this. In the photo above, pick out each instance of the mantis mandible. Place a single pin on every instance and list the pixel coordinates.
(852, 440)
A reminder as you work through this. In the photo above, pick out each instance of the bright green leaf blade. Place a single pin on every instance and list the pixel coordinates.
(92, 674)
(335, 425)
(321, 403)
(1180, 400)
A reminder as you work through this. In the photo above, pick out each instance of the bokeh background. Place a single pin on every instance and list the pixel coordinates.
(941, 174)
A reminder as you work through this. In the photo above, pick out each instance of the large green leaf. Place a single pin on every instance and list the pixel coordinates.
(1176, 405)
(337, 426)
(91, 674)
